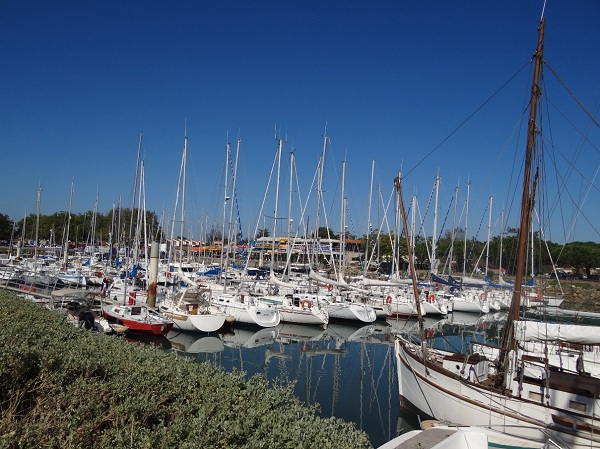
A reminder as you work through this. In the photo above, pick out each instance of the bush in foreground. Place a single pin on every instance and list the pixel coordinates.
(65, 387)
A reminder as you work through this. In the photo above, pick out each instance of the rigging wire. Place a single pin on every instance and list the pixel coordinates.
(464, 122)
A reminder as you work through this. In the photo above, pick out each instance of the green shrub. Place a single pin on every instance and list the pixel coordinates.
(65, 387)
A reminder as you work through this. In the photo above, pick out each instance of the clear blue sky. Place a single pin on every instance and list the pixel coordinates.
(390, 80)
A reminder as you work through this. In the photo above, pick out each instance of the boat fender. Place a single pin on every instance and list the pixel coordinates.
(411, 347)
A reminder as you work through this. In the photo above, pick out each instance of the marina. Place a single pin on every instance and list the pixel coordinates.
(424, 313)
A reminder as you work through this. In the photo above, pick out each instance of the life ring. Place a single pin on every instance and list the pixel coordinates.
(430, 333)
(329, 287)
(388, 299)
(98, 274)
(539, 296)
(169, 274)
(483, 295)
(306, 304)
(140, 275)
(431, 298)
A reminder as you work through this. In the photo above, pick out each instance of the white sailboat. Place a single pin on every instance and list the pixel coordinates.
(515, 393)
(191, 310)
(239, 309)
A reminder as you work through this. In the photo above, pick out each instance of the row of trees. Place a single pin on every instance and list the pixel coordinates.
(451, 250)
(453, 254)
(87, 227)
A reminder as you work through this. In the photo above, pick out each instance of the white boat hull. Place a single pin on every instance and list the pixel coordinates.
(457, 400)
(264, 316)
(351, 311)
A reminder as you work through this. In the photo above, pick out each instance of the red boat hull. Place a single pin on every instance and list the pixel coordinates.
(139, 326)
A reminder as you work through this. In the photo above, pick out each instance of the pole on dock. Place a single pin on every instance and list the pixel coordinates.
(153, 274)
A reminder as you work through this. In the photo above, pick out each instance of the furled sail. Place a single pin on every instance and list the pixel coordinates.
(526, 330)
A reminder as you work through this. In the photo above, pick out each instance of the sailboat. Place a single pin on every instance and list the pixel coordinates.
(191, 310)
(516, 392)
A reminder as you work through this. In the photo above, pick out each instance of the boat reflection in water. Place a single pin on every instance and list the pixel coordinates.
(206, 347)
(349, 370)
(159, 341)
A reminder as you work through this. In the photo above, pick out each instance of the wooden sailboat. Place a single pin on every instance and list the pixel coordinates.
(515, 392)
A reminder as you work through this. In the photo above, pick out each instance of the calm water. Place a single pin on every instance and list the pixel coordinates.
(349, 370)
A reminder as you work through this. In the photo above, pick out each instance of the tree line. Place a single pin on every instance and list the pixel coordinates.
(454, 253)
(88, 227)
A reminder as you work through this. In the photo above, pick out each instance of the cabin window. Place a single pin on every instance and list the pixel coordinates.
(535, 396)
(579, 406)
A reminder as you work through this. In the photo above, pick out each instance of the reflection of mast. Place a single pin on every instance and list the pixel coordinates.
(335, 393)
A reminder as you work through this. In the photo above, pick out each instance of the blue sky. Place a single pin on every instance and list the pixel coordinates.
(389, 81)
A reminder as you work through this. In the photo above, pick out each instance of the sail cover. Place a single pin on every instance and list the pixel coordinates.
(317, 277)
(541, 331)
(275, 280)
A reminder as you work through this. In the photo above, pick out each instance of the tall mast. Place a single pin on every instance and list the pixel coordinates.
(290, 219)
(37, 220)
(319, 197)
(434, 264)
(451, 252)
(527, 201)
(279, 150)
(411, 263)
(66, 242)
(369, 227)
(501, 241)
(225, 199)
(183, 182)
(466, 229)
(134, 191)
(231, 235)
(343, 219)
(487, 252)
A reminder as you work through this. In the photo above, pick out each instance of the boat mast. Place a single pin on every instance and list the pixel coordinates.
(316, 240)
(451, 252)
(464, 273)
(411, 263)
(183, 185)
(527, 201)
(225, 199)
(342, 221)
(369, 227)
(231, 235)
(275, 210)
(290, 220)
(487, 253)
(434, 262)
(66, 238)
(37, 221)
